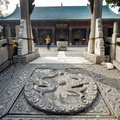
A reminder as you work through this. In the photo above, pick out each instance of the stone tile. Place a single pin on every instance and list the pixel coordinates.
(14, 107)
(7, 75)
(22, 107)
(57, 118)
(12, 91)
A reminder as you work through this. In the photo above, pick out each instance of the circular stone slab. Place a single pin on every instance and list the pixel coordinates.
(60, 91)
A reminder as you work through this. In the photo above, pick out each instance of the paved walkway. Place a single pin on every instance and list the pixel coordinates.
(74, 55)
(13, 105)
(71, 51)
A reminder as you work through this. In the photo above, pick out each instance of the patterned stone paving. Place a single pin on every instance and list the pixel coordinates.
(21, 107)
(11, 92)
(7, 76)
(71, 51)
(107, 89)
(13, 105)
(57, 118)
(113, 76)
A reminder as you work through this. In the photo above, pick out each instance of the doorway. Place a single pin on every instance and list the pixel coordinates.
(62, 34)
(79, 36)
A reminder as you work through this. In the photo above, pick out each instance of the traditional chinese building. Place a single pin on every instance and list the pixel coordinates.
(63, 23)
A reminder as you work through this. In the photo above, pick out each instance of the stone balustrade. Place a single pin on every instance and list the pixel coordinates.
(4, 54)
(3, 49)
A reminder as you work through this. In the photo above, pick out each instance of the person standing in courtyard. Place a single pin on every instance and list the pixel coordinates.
(48, 42)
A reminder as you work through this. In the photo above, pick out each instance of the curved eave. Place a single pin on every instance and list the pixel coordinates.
(15, 15)
(62, 13)
(107, 13)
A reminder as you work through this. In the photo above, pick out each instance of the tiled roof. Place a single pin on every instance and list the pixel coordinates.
(62, 13)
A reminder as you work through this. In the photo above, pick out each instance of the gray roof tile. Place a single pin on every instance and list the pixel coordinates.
(62, 13)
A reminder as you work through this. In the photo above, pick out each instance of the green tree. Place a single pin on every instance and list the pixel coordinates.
(3, 5)
(114, 3)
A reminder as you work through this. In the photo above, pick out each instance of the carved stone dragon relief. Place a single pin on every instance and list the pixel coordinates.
(60, 91)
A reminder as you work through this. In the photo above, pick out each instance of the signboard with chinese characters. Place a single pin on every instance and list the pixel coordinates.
(62, 25)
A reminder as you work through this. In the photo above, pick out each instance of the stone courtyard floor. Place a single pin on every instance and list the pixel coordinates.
(17, 101)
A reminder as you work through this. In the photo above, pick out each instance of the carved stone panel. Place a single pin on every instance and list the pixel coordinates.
(61, 91)
(75, 82)
(22, 107)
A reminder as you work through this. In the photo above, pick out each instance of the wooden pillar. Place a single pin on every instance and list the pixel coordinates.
(70, 36)
(53, 36)
(87, 35)
(36, 34)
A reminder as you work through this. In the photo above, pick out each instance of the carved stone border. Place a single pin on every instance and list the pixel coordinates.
(22, 107)
(12, 91)
(9, 95)
(109, 93)
(58, 118)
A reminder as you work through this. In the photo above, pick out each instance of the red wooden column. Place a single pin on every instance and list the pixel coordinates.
(87, 35)
(70, 36)
(36, 34)
(53, 35)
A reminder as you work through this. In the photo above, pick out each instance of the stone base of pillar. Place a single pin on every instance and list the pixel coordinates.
(116, 64)
(96, 58)
(26, 58)
(91, 45)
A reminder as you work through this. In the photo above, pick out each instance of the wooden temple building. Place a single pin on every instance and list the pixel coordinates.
(61, 23)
